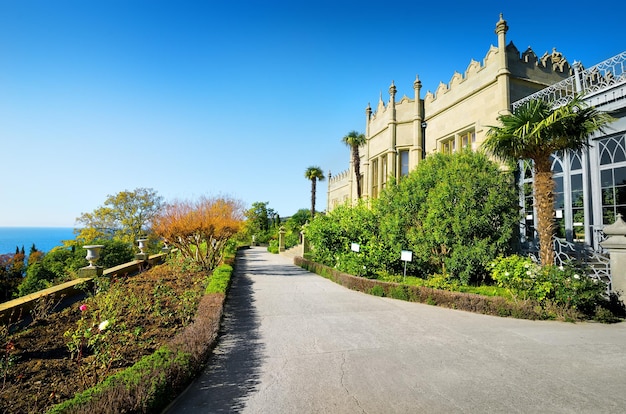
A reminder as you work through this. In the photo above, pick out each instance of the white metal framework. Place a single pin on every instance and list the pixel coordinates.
(590, 184)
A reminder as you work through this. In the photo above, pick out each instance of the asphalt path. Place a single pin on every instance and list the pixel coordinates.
(294, 342)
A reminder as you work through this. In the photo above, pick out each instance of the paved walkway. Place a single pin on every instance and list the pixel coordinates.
(297, 343)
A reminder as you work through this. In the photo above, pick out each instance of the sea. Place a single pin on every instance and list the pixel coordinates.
(44, 238)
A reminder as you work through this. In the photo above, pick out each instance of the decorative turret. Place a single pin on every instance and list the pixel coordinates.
(501, 28)
(368, 117)
(392, 100)
(503, 70)
(392, 92)
(417, 87)
(417, 84)
(418, 120)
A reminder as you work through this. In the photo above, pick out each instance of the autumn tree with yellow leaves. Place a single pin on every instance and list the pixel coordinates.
(200, 229)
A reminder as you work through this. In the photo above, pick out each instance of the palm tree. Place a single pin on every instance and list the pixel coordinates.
(354, 140)
(535, 131)
(313, 173)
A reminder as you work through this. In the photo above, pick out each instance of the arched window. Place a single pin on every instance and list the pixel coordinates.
(559, 194)
(612, 153)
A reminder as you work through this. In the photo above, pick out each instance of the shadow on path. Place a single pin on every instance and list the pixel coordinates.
(232, 371)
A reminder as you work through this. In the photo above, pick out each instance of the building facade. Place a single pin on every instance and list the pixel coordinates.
(457, 115)
(590, 184)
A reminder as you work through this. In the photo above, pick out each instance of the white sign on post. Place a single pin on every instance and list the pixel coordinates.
(355, 247)
(406, 256)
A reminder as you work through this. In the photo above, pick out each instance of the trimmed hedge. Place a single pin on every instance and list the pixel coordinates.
(220, 279)
(155, 380)
(488, 305)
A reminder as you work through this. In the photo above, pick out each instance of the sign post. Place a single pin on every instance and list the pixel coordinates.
(356, 248)
(406, 256)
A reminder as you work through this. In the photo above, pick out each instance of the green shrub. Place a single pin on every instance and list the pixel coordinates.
(455, 212)
(332, 236)
(377, 291)
(566, 286)
(520, 275)
(456, 300)
(399, 292)
(220, 279)
(273, 247)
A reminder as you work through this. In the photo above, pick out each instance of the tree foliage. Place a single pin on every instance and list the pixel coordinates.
(455, 212)
(354, 140)
(62, 263)
(334, 233)
(200, 229)
(10, 278)
(261, 221)
(314, 174)
(535, 131)
(125, 216)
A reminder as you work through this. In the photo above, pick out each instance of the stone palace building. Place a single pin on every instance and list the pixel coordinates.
(591, 185)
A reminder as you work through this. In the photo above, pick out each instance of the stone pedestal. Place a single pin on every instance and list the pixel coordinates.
(281, 239)
(305, 242)
(90, 271)
(616, 245)
(142, 256)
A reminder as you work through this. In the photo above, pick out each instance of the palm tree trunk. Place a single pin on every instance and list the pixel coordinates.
(313, 185)
(356, 162)
(544, 198)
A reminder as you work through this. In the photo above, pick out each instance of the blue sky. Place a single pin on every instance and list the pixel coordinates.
(234, 98)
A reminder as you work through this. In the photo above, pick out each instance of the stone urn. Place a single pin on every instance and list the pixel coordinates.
(143, 243)
(93, 253)
(166, 247)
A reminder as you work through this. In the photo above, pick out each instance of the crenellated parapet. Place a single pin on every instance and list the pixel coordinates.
(524, 67)
(401, 131)
(474, 75)
(344, 175)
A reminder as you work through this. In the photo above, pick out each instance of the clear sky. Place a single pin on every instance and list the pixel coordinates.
(230, 97)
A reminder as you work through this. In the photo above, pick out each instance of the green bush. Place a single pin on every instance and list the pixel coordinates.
(455, 212)
(488, 305)
(273, 247)
(333, 234)
(377, 291)
(520, 275)
(37, 278)
(399, 292)
(567, 286)
(220, 279)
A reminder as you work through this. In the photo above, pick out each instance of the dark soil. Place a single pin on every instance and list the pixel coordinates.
(37, 369)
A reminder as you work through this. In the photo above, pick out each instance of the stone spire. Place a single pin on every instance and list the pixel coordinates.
(392, 91)
(501, 27)
(417, 84)
(392, 100)
(503, 67)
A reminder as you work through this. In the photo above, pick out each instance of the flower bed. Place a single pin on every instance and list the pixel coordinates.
(147, 334)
